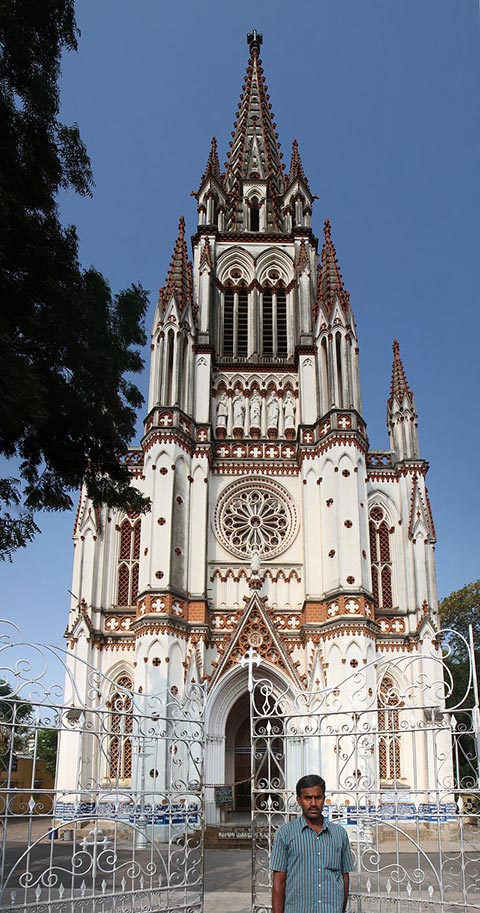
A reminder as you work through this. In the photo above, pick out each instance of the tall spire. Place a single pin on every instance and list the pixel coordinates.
(255, 152)
(179, 282)
(330, 282)
(401, 412)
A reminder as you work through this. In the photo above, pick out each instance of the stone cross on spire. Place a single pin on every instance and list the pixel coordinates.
(255, 39)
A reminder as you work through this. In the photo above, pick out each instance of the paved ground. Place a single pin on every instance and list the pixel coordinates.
(228, 881)
(228, 872)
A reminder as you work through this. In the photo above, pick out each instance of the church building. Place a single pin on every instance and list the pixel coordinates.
(273, 524)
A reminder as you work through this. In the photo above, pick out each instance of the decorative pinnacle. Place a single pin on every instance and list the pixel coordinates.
(179, 279)
(327, 230)
(254, 39)
(399, 385)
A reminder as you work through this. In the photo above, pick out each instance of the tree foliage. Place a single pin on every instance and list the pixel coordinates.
(15, 716)
(67, 345)
(47, 745)
(458, 611)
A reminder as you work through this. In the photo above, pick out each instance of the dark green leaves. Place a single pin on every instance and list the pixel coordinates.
(68, 347)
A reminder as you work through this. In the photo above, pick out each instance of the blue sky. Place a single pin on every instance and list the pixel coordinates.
(383, 98)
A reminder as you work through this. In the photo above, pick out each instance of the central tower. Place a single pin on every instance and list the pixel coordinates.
(272, 525)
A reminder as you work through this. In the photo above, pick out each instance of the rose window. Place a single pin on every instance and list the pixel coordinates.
(255, 518)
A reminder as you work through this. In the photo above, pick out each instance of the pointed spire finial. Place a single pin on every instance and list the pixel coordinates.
(179, 282)
(401, 412)
(213, 166)
(255, 40)
(255, 124)
(399, 379)
(330, 282)
(296, 167)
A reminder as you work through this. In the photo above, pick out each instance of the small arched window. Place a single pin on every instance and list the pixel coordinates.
(121, 728)
(254, 215)
(381, 559)
(169, 368)
(389, 733)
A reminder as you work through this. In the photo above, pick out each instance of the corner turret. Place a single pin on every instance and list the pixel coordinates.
(336, 334)
(402, 418)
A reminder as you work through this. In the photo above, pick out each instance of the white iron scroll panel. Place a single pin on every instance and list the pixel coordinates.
(402, 777)
(122, 829)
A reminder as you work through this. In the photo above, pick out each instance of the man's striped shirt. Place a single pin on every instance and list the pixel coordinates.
(314, 863)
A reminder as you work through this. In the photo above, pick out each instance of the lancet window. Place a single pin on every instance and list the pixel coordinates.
(121, 728)
(254, 215)
(381, 559)
(235, 322)
(254, 313)
(388, 727)
(128, 562)
(274, 322)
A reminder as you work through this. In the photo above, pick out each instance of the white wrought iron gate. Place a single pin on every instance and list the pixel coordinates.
(402, 776)
(121, 828)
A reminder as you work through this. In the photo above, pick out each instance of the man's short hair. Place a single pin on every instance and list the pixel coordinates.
(308, 781)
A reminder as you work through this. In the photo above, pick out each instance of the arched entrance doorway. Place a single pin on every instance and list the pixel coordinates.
(238, 753)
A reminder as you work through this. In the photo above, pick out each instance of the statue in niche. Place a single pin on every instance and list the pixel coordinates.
(238, 408)
(273, 410)
(222, 411)
(255, 563)
(255, 407)
(289, 409)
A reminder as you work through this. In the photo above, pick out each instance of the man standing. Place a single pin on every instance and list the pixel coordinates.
(311, 858)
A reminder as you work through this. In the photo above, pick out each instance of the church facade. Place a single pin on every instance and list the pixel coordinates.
(273, 524)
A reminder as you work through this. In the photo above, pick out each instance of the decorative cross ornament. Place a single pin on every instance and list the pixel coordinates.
(250, 659)
(158, 605)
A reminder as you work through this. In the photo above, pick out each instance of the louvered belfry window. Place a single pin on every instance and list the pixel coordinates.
(128, 562)
(121, 728)
(274, 323)
(235, 322)
(381, 559)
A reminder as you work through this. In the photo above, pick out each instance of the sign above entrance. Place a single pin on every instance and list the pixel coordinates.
(224, 796)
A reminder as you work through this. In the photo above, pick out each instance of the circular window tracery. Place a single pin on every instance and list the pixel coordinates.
(255, 516)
